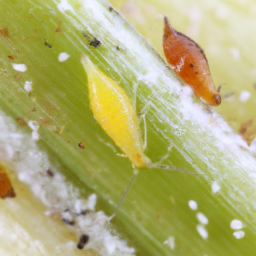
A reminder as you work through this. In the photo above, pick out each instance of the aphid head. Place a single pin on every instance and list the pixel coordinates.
(217, 98)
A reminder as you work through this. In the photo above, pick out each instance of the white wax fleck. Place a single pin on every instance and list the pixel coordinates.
(215, 187)
(63, 56)
(192, 204)
(202, 231)
(28, 86)
(92, 202)
(34, 126)
(239, 234)
(170, 242)
(244, 96)
(236, 224)
(64, 6)
(19, 67)
(202, 218)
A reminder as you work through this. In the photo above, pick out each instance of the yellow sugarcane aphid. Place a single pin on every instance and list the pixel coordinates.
(117, 115)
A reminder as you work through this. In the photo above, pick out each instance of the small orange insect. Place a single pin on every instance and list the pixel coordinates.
(6, 189)
(188, 61)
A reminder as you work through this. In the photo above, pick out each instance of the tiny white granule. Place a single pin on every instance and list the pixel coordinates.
(92, 202)
(187, 90)
(28, 86)
(202, 231)
(202, 218)
(236, 224)
(234, 52)
(244, 96)
(239, 234)
(19, 67)
(170, 242)
(67, 216)
(63, 56)
(34, 126)
(192, 205)
(215, 187)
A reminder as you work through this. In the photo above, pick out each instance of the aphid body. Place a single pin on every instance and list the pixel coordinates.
(6, 189)
(188, 60)
(116, 114)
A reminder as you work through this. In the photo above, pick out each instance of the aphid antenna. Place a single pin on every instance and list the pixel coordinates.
(164, 157)
(171, 168)
(220, 87)
(135, 173)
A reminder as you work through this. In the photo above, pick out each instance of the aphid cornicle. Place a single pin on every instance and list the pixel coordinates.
(188, 60)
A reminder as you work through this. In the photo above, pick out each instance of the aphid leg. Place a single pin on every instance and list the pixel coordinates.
(135, 172)
(142, 114)
(206, 106)
(166, 155)
(227, 95)
(145, 132)
(121, 155)
(171, 168)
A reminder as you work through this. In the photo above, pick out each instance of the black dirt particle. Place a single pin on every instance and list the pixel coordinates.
(83, 240)
(191, 65)
(50, 172)
(95, 43)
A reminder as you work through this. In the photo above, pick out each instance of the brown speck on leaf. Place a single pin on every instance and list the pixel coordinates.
(32, 110)
(110, 8)
(95, 43)
(247, 131)
(10, 57)
(82, 213)
(58, 29)
(50, 172)
(83, 240)
(21, 121)
(80, 145)
(18, 75)
(4, 31)
(43, 121)
(84, 34)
